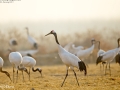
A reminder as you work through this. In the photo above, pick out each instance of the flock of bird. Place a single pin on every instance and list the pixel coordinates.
(70, 55)
(21, 59)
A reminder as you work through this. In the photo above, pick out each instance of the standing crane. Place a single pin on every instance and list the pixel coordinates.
(99, 53)
(108, 56)
(69, 59)
(31, 39)
(15, 59)
(30, 62)
(1, 65)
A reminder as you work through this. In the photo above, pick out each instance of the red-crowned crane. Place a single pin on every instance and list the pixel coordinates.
(15, 59)
(31, 39)
(30, 62)
(1, 65)
(108, 56)
(69, 59)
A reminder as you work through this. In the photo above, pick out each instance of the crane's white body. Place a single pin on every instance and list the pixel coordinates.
(1, 62)
(85, 53)
(28, 61)
(15, 58)
(69, 59)
(109, 55)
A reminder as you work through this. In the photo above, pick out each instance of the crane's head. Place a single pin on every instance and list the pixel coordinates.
(52, 32)
(118, 39)
(25, 70)
(40, 70)
(93, 41)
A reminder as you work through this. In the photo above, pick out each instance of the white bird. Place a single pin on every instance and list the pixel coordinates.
(1, 65)
(108, 56)
(30, 62)
(69, 59)
(13, 42)
(99, 53)
(15, 59)
(31, 39)
(82, 54)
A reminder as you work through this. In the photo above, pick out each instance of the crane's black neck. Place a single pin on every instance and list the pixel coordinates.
(3, 71)
(34, 70)
(56, 38)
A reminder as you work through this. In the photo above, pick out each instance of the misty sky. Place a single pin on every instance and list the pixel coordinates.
(35, 11)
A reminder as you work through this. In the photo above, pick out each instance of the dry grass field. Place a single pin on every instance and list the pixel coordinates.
(54, 75)
(53, 69)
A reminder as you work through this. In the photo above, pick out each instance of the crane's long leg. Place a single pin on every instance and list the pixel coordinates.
(23, 75)
(29, 74)
(13, 74)
(106, 68)
(109, 69)
(100, 66)
(65, 78)
(76, 77)
(103, 67)
(17, 76)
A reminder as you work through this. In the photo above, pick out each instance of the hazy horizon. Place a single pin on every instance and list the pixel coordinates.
(61, 27)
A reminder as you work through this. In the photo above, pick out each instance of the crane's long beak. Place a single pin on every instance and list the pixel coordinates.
(47, 34)
(40, 72)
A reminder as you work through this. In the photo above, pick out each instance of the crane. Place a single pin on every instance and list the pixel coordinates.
(31, 39)
(108, 56)
(30, 62)
(1, 65)
(69, 59)
(15, 59)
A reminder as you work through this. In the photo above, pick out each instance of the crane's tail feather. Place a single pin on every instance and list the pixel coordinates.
(99, 59)
(82, 67)
(117, 58)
